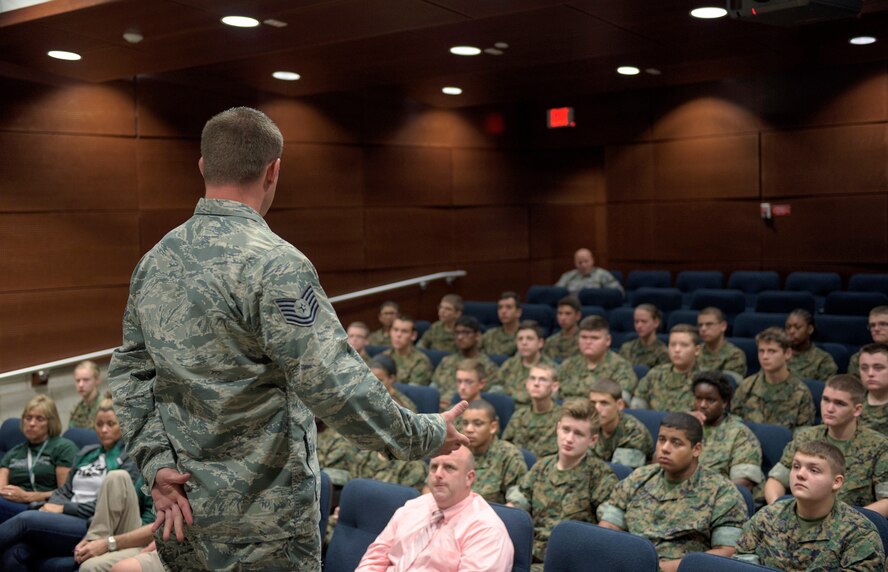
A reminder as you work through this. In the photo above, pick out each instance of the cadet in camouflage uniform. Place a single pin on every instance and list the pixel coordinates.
(513, 373)
(667, 387)
(386, 371)
(587, 275)
(533, 428)
(563, 343)
(595, 361)
(874, 373)
(814, 530)
(358, 334)
(878, 327)
(866, 452)
(676, 504)
(373, 465)
(729, 446)
(87, 380)
(499, 465)
(413, 366)
(569, 485)
(807, 361)
(230, 347)
(467, 333)
(622, 438)
(718, 353)
(388, 311)
(501, 340)
(440, 335)
(646, 349)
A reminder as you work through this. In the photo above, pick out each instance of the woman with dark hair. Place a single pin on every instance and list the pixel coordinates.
(807, 361)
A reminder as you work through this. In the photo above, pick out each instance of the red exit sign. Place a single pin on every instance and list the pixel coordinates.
(560, 117)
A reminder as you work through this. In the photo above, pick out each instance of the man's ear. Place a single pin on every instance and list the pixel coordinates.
(200, 166)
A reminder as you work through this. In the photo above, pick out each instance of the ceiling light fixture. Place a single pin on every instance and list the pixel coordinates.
(240, 21)
(63, 55)
(451, 90)
(862, 40)
(628, 70)
(709, 12)
(493, 51)
(286, 75)
(465, 51)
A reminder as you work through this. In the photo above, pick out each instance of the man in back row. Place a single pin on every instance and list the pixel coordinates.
(587, 275)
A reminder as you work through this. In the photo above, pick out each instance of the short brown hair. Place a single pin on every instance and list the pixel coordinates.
(826, 451)
(775, 335)
(92, 367)
(650, 309)
(359, 325)
(608, 387)
(875, 348)
(531, 325)
(849, 384)
(879, 310)
(713, 311)
(485, 406)
(406, 318)
(454, 300)
(46, 407)
(509, 295)
(237, 145)
(572, 302)
(594, 324)
(546, 367)
(687, 329)
(582, 410)
(106, 404)
(472, 364)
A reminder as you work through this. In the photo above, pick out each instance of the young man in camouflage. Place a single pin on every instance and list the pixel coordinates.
(569, 485)
(358, 334)
(533, 428)
(440, 335)
(230, 348)
(813, 530)
(87, 379)
(697, 509)
(388, 311)
(501, 339)
(413, 365)
(513, 373)
(646, 349)
(874, 373)
(667, 387)
(866, 451)
(878, 327)
(718, 353)
(470, 381)
(467, 333)
(563, 343)
(499, 465)
(622, 438)
(595, 361)
(774, 395)
(807, 361)
(587, 275)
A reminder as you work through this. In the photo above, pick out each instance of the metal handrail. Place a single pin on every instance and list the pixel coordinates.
(421, 281)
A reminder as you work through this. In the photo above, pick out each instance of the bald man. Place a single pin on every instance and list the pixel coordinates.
(587, 275)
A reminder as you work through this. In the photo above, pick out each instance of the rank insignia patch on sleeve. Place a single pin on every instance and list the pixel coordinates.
(300, 311)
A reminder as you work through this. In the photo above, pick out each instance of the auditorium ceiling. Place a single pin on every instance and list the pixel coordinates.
(401, 47)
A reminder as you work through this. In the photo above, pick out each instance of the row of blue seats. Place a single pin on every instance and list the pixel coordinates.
(11, 435)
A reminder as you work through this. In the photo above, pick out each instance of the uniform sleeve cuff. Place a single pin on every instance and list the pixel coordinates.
(747, 471)
(881, 491)
(630, 457)
(748, 558)
(726, 535)
(780, 473)
(613, 515)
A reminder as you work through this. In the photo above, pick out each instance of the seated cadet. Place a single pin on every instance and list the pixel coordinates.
(667, 387)
(807, 361)
(533, 428)
(718, 353)
(569, 485)
(87, 380)
(501, 340)
(587, 275)
(386, 371)
(866, 451)
(814, 530)
(622, 438)
(563, 343)
(646, 349)
(774, 395)
(729, 446)
(470, 381)
(874, 373)
(440, 335)
(387, 314)
(596, 361)
(878, 327)
(358, 334)
(413, 365)
(467, 333)
(513, 373)
(697, 509)
(499, 465)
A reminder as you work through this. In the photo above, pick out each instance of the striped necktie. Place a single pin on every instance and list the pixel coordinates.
(419, 541)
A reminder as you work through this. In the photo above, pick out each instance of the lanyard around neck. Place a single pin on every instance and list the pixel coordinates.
(35, 461)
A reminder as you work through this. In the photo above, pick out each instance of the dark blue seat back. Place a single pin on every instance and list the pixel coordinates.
(749, 324)
(751, 350)
(682, 317)
(691, 280)
(879, 521)
(649, 418)
(648, 279)
(847, 330)
(11, 434)
(435, 356)
(773, 439)
(325, 500)
(753, 282)
(81, 437)
(485, 312)
(838, 352)
(605, 297)
(622, 319)
(427, 399)
(869, 283)
(529, 458)
(622, 471)
(778, 301)
(853, 303)
(705, 562)
(666, 299)
(592, 311)
(731, 302)
(547, 295)
(816, 387)
(817, 283)
(576, 546)
(541, 314)
(520, 528)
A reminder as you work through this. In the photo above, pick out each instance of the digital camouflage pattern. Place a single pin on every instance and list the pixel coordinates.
(788, 403)
(875, 417)
(373, 465)
(513, 377)
(558, 346)
(844, 540)
(637, 352)
(534, 431)
(728, 358)
(597, 278)
(732, 449)
(630, 444)
(437, 337)
(403, 400)
(230, 347)
(701, 512)
(497, 342)
(445, 374)
(812, 364)
(84, 416)
(336, 456)
(854, 365)
(415, 367)
(551, 495)
(665, 389)
(575, 377)
(497, 470)
(866, 463)
(379, 338)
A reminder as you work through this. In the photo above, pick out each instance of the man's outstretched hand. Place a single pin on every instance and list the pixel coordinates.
(170, 503)
(454, 439)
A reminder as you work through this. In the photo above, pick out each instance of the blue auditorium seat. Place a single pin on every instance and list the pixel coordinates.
(427, 399)
(817, 283)
(520, 529)
(622, 471)
(731, 302)
(11, 434)
(648, 279)
(484, 311)
(705, 562)
(325, 500)
(816, 387)
(853, 303)
(435, 356)
(869, 283)
(753, 282)
(576, 546)
(541, 314)
(622, 319)
(81, 436)
(779, 301)
(548, 295)
(682, 317)
(422, 327)
(839, 353)
(689, 281)
(878, 521)
(666, 299)
(751, 350)
(372, 350)
(529, 458)
(773, 439)
(749, 324)
(620, 338)
(605, 297)
(851, 331)
(650, 418)
(640, 370)
(592, 311)
(618, 275)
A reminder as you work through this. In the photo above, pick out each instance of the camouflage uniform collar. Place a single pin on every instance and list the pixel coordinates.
(819, 529)
(225, 207)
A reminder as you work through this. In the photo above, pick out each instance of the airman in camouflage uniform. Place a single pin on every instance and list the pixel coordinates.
(230, 347)
(637, 352)
(496, 341)
(732, 449)
(717, 353)
(575, 376)
(445, 374)
(513, 375)
(497, 470)
(388, 311)
(665, 389)
(812, 364)
(788, 403)
(534, 430)
(874, 374)
(84, 414)
(437, 337)
(415, 367)
(88, 381)
(501, 340)
(560, 346)
(630, 444)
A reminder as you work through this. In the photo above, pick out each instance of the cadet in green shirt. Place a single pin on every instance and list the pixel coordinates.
(513, 373)
(499, 465)
(501, 340)
(718, 353)
(440, 335)
(807, 361)
(646, 349)
(874, 373)
(533, 428)
(814, 530)
(667, 387)
(470, 381)
(467, 333)
(563, 343)
(622, 438)
(595, 361)
(388, 311)
(87, 381)
(358, 334)
(413, 365)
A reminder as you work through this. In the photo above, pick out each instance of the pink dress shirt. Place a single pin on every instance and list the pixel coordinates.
(472, 539)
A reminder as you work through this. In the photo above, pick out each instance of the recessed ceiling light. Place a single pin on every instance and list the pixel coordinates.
(465, 51)
(493, 51)
(286, 75)
(240, 21)
(62, 55)
(628, 70)
(451, 90)
(862, 40)
(653, 71)
(709, 12)
(501, 45)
